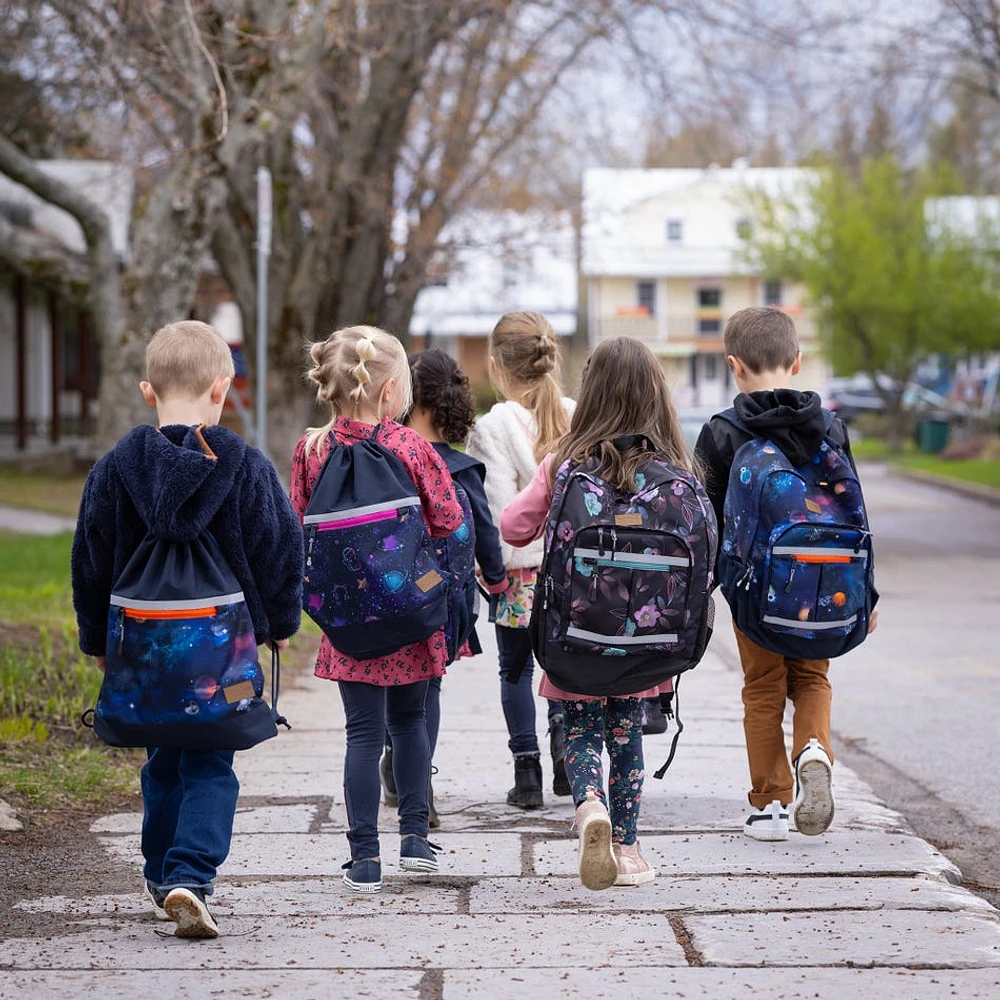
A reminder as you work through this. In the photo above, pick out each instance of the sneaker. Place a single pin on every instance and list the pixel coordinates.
(654, 720)
(598, 868)
(364, 875)
(633, 868)
(388, 780)
(187, 908)
(157, 898)
(769, 823)
(812, 810)
(417, 854)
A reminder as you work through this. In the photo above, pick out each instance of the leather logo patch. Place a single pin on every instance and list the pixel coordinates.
(628, 520)
(237, 692)
(429, 580)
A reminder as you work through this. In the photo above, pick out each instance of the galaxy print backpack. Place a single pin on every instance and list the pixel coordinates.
(796, 557)
(372, 580)
(181, 665)
(623, 598)
(456, 556)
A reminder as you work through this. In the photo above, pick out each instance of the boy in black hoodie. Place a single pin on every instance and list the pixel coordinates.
(186, 477)
(763, 352)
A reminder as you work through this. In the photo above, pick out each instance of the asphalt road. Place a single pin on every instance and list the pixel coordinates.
(915, 708)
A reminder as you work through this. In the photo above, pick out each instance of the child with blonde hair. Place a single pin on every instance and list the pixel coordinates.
(511, 440)
(362, 373)
(175, 481)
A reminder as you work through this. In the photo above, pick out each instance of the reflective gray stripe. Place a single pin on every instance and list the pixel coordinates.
(630, 558)
(375, 508)
(619, 640)
(809, 626)
(201, 602)
(819, 550)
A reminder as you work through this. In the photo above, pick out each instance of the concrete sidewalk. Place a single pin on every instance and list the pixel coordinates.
(869, 908)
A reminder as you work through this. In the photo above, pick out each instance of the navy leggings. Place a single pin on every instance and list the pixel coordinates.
(518, 699)
(369, 711)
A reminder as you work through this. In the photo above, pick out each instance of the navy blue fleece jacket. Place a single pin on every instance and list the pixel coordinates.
(163, 480)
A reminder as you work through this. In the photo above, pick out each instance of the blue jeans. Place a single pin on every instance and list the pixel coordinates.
(432, 710)
(369, 711)
(518, 700)
(189, 801)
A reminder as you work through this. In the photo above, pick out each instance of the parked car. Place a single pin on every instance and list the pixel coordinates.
(849, 397)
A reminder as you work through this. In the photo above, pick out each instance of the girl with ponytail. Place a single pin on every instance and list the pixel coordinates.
(511, 440)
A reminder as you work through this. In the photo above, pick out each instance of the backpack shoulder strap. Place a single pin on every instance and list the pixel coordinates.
(730, 417)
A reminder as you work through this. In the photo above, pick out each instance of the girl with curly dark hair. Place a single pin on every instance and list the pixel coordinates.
(443, 413)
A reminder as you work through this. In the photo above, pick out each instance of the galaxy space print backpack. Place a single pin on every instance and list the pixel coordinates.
(372, 580)
(623, 599)
(181, 665)
(795, 562)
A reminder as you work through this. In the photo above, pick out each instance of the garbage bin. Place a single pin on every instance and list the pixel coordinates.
(932, 434)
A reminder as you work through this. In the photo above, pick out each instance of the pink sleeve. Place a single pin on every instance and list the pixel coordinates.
(523, 519)
(300, 490)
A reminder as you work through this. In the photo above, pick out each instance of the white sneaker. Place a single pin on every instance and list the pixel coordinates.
(769, 823)
(812, 810)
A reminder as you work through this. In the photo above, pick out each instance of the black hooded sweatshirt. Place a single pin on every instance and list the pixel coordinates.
(164, 481)
(793, 420)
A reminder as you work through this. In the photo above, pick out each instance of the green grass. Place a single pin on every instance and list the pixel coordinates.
(43, 492)
(34, 580)
(968, 470)
(48, 760)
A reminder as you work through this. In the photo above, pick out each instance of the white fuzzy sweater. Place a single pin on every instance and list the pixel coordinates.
(503, 440)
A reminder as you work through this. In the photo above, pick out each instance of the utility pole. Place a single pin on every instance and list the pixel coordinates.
(264, 225)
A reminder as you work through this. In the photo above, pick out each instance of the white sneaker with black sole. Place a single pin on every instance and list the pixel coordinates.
(768, 823)
(812, 810)
(187, 909)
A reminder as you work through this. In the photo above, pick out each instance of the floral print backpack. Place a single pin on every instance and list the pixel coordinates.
(623, 600)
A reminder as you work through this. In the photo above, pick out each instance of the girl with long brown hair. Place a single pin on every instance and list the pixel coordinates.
(624, 392)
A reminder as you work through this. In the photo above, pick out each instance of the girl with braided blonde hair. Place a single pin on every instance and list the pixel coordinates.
(511, 440)
(363, 374)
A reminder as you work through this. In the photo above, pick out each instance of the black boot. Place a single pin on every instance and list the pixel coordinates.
(527, 790)
(388, 779)
(654, 720)
(557, 747)
(434, 820)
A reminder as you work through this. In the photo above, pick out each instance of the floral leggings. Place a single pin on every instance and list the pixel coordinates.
(615, 723)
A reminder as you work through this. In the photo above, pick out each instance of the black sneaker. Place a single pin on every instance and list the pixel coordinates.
(187, 908)
(157, 898)
(363, 876)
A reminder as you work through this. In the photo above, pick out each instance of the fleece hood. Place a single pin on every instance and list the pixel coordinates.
(793, 420)
(177, 487)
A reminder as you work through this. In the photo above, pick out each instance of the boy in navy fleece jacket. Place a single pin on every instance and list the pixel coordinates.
(164, 479)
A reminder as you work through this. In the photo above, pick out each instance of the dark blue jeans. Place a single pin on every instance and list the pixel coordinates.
(432, 710)
(189, 801)
(518, 700)
(369, 711)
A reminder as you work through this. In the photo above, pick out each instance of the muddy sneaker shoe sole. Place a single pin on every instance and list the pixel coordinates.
(190, 914)
(598, 868)
(812, 810)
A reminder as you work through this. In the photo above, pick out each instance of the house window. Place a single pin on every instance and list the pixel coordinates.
(711, 371)
(709, 311)
(743, 228)
(772, 293)
(646, 295)
(675, 230)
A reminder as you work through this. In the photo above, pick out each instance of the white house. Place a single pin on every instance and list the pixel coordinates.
(663, 260)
